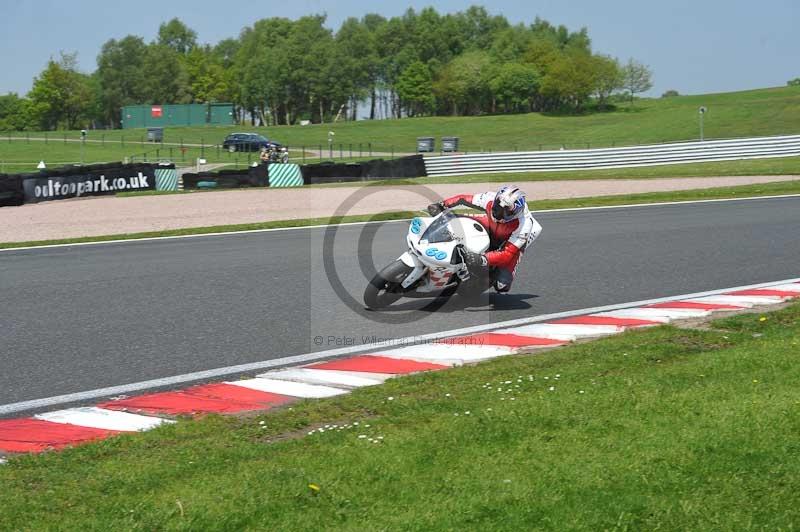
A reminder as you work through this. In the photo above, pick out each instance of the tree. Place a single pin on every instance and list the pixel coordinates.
(637, 78)
(415, 88)
(511, 44)
(119, 72)
(224, 52)
(478, 29)
(61, 96)
(163, 77)
(608, 77)
(570, 79)
(670, 93)
(13, 112)
(311, 55)
(464, 83)
(515, 86)
(357, 60)
(374, 25)
(794, 82)
(561, 37)
(422, 62)
(177, 35)
(207, 79)
(262, 68)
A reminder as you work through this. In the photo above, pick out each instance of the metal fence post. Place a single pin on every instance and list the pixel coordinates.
(320, 153)
(370, 149)
(122, 140)
(202, 148)
(45, 137)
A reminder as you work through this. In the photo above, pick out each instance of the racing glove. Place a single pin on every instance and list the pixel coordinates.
(435, 208)
(476, 263)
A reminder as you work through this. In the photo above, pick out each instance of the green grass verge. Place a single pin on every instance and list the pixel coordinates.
(768, 189)
(660, 429)
(217, 229)
(742, 191)
(774, 111)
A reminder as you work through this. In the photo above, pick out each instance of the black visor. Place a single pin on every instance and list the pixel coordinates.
(501, 213)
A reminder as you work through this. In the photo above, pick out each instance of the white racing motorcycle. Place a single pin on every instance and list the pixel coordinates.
(443, 256)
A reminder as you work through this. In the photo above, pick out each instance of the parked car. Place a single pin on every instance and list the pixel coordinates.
(247, 142)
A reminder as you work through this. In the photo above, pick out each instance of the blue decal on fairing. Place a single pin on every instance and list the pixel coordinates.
(415, 225)
(435, 253)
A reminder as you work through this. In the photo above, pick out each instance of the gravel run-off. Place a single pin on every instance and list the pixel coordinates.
(108, 215)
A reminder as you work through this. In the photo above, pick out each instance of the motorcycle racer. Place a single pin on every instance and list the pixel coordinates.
(509, 223)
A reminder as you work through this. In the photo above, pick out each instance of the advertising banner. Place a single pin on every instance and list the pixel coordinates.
(90, 183)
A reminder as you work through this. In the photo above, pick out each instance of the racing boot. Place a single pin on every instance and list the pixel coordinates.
(502, 280)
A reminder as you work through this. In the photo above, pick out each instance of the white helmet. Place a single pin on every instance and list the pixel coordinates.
(508, 203)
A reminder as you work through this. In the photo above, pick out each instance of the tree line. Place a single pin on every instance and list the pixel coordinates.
(281, 71)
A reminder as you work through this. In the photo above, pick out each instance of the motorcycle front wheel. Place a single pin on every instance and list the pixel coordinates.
(384, 288)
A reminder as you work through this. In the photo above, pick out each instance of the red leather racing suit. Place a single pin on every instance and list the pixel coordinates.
(509, 239)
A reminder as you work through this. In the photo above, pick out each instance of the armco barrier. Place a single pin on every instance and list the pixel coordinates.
(627, 157)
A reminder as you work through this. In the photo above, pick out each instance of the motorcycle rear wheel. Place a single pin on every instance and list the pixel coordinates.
(384, 288)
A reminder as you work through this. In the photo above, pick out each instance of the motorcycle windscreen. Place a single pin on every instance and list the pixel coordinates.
(439, 230)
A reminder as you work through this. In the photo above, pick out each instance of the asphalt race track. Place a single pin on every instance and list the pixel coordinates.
(85, 317)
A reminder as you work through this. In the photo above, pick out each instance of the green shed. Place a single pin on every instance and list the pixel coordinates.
(190, 114)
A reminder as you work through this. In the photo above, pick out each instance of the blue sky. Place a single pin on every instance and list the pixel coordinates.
(694, 47)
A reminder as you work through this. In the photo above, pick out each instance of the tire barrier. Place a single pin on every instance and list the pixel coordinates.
(401, 168)
(255, 176)
(627, 157)
(77, 181)
(11, 191)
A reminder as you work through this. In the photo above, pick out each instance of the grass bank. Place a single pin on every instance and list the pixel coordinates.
(773, 111)
(663, 428)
